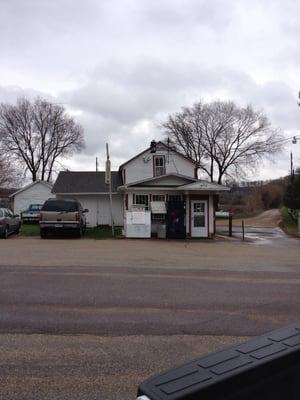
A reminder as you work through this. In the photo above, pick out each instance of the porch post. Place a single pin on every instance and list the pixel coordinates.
(215, 203)
(188, 215)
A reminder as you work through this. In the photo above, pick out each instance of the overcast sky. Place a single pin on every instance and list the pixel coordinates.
(121, 66)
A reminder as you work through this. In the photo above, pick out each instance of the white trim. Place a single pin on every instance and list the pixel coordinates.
(158, 178)
(50, 186)
(151, 189)
(206, 191)
(83, 193)
(202, 186)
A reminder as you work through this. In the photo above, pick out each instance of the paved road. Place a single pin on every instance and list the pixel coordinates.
(96, 333)
(127, 301)
(111, 313)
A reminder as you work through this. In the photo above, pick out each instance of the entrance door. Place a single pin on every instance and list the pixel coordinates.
(175, 220)
(199, 218)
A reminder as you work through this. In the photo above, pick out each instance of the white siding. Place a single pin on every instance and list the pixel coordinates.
(142, 167)
(99, 208)
(35, 194)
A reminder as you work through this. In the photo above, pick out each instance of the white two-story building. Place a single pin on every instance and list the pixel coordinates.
(160, 180)
(165, 182)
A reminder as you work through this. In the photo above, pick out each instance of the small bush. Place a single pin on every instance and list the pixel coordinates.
(288, 224)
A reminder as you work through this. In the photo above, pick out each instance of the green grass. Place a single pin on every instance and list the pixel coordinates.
(102, 232)
(288, 224)
(30, 230)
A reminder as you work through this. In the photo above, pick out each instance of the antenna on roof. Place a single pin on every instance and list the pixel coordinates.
(107, 167)
(96, 164)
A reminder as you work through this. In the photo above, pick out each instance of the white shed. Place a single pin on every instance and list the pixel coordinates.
(35, 193)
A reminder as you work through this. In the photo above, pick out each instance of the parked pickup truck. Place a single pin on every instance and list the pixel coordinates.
(32, 214)
(58, 215)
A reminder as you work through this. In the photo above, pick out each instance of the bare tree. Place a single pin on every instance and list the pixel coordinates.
(223, 139)
(38, 134)
(9, 174)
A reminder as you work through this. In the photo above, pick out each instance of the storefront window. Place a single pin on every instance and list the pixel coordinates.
(142, 199)
(175, 197)
(158, 217)
(158, 197)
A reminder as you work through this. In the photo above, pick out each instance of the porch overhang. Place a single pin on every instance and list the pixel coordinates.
(162, 182)
(147, 188)
(202, 187)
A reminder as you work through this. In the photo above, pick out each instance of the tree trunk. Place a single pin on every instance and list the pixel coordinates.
(212, 170)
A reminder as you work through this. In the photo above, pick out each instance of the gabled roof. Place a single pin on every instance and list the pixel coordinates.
(159, 145)
(85, 182)
(6, 192)
(157, 179)
(204, 186)
(47, 184)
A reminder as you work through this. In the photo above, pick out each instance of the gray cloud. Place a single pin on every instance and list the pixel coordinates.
(10, 94)
(122, 66)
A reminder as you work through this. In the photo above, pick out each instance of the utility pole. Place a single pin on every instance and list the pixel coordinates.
(108, 182)
(96, 164)
(292, 168)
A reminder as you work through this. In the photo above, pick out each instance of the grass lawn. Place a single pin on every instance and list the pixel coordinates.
(288, 224)
(102, 232)
(30, 230)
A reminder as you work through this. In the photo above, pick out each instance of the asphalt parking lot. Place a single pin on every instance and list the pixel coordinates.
(90, 319)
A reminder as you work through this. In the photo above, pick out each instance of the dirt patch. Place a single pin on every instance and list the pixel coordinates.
(267, 219)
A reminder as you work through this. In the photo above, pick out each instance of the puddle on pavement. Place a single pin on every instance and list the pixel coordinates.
(264, 236)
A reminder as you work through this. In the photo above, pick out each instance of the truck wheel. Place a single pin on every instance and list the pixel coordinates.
(17, 231)
(79, 232)
(43, 234)
(5, 233)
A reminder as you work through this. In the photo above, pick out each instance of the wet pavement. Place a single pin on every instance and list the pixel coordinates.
(260, 235)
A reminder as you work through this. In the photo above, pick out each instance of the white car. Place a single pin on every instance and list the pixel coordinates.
(32, 214)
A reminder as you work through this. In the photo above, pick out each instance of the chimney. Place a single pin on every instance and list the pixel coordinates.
(153, 146)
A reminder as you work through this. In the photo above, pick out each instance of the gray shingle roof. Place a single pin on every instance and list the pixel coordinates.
(85, 182)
